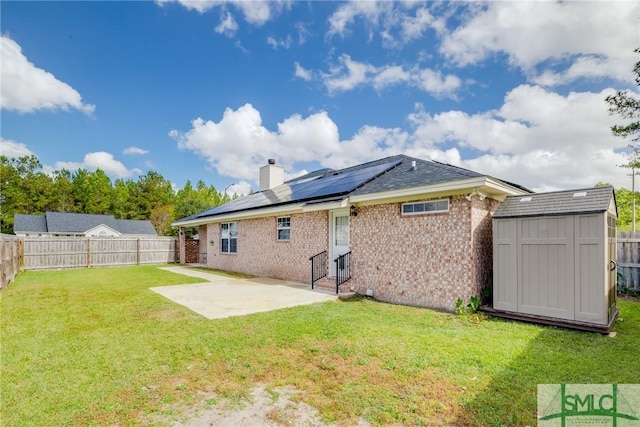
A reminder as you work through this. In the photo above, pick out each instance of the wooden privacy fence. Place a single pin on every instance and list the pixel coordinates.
(11, 257)
(77, 252)
(628, 260)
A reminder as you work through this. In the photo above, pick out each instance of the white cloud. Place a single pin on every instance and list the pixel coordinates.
(435, 83)
(413, 27)
(396, 23)
(13, 149)
(134, 151)
(27, 88)
(100, 160)
(346, 14)
(303, 33)
(566, 40)
(255, 12)
(551, 42)
(239, 144)
(350, 74)
(302, 73)
(533, 139)
(227, 26)
(277, 43)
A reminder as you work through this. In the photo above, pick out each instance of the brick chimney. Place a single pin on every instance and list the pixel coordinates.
(271, 175)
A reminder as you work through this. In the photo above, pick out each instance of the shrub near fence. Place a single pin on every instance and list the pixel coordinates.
(11, 250)
(628, 261)
(78, 252)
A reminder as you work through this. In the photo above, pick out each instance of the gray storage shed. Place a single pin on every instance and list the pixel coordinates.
(554, 258)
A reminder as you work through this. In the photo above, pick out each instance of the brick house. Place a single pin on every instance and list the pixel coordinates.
(401, 229)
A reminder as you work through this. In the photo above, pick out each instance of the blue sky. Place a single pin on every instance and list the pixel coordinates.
(212, 89)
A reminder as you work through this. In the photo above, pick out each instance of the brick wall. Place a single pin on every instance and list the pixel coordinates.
(482, 241)
(261, 254)
(426, 260)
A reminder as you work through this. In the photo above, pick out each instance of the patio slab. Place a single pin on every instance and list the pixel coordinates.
(222, 297)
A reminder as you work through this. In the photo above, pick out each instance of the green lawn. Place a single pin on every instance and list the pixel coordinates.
(97, 347)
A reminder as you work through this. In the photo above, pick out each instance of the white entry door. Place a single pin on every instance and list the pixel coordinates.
(338, 236)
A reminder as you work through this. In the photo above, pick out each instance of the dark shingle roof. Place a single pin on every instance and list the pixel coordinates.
(29, 223)
(133, 226)
(387, 174)
(589, 200)
(62, 222)
(425, 173)
(76, 223)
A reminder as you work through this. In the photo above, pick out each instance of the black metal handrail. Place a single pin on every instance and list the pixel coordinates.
(343, 269)
(203, 258)
(318, 267)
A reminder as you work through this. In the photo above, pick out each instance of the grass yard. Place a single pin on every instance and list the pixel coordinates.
(97, 347)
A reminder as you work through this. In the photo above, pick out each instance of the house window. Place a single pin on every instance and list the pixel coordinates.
(229, 237)
(284, 228)
(420, 208)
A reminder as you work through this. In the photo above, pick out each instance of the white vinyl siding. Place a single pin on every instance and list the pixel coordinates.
(229, 237)
(284, 228)
(419, 208)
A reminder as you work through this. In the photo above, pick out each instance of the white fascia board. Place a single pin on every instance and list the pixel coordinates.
(233, 216)
(495, 189)
(315, 207)
(503, 187)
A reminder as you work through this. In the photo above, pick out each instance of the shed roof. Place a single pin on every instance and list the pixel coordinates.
(588, 200)
(75, 223)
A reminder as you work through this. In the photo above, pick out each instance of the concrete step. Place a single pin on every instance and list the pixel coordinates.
(346, 295)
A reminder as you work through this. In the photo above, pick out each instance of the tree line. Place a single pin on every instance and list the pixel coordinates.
(26, 188)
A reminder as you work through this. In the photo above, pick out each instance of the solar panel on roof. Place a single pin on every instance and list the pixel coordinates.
(324, 186)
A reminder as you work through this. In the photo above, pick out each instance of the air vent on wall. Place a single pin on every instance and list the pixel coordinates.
(525, 199)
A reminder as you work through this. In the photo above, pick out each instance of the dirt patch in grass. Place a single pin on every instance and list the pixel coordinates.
(328, 383)
(264, 407)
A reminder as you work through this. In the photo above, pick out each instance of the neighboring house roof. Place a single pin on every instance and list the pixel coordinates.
(76, 223)
(588, 200)
(378, 179)
(29, 223)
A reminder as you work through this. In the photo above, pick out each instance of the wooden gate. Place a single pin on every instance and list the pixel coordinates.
(191, 251)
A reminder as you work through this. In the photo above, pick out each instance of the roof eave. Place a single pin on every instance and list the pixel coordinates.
(493, 188)
(538, 214)
(245, 214)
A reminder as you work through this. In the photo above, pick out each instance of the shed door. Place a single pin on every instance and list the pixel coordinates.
(505, 265)
(591, 271)
(546, 251)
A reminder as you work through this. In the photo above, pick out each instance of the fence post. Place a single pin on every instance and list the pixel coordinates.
(3, 273)
(20, 254)
(88, 253)
(138, 252)
(12, 272)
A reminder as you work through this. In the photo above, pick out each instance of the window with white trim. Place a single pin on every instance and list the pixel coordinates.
(284, 228)
(421, 208)
(229, 237)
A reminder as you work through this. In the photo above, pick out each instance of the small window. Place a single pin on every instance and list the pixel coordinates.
(284, 228)
(229, 237)
(433, 206)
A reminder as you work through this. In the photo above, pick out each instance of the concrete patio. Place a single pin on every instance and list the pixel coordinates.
(222, 296)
